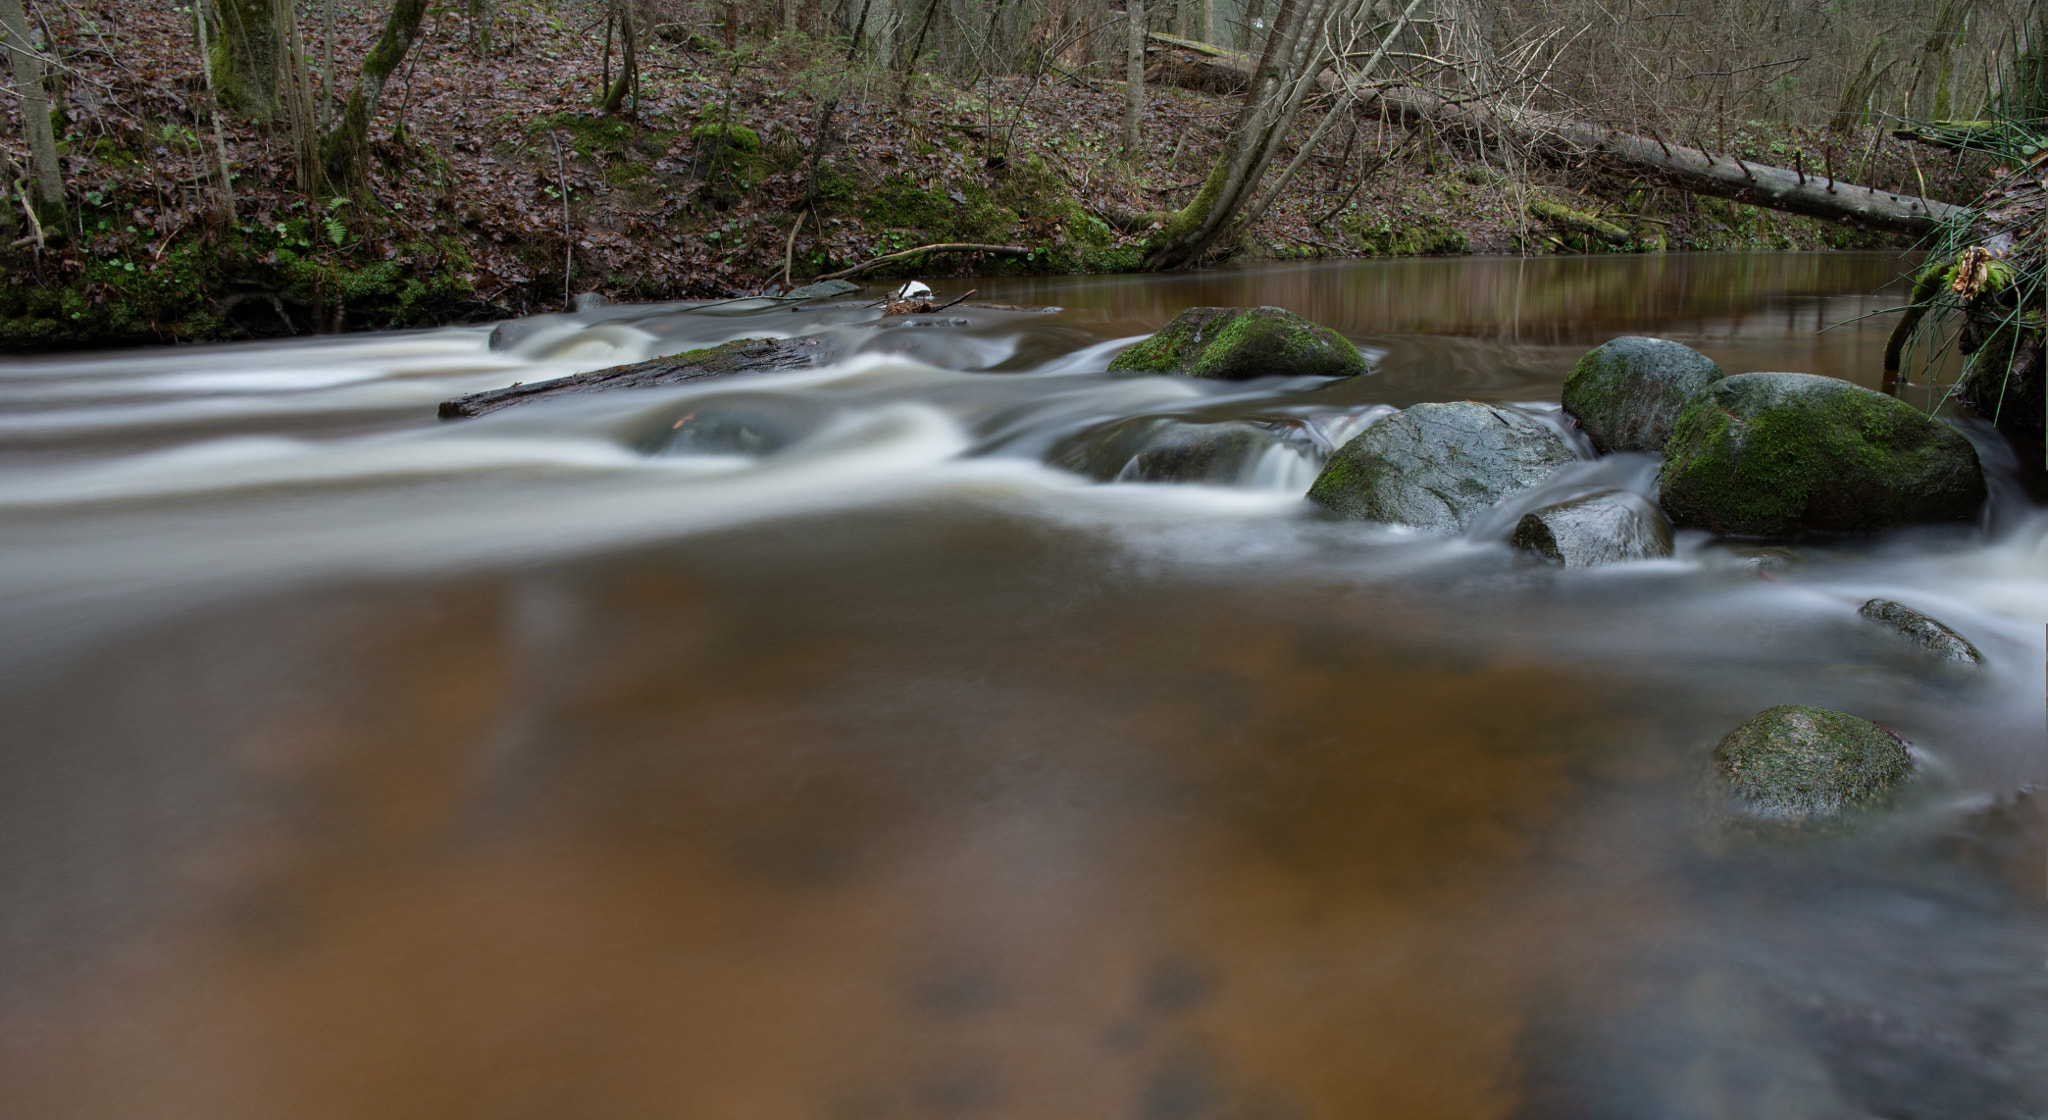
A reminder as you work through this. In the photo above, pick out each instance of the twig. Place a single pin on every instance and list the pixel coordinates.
(568, 236)
(789, 247)
(944, 247)
(951, 302)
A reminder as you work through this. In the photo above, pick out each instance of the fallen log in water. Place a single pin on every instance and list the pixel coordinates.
(1556, 137)
(745, 355)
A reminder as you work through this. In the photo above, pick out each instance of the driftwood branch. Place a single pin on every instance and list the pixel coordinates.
(943, 247)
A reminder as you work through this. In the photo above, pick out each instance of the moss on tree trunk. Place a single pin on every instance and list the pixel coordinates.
(246, 57)
(345, 153)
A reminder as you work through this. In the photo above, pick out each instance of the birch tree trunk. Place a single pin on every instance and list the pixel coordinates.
(35, 103)
(1134, 75)
(346, 150)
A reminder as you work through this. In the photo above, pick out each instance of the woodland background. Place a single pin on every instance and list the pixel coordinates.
(254, 167)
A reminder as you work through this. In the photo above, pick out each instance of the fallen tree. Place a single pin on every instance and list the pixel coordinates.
(1559, 138)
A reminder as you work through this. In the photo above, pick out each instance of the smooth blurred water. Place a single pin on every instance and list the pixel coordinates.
(807, 745)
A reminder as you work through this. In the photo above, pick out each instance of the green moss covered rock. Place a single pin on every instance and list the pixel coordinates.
(1778, 454)
(1627, 394)
(1438, 466)
(1236, 343)
(1799, 764)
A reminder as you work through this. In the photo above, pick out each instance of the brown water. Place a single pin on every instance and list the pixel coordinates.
(356, 765)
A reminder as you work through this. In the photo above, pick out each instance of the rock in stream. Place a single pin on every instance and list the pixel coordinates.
(1627, 394)
(1797, 764)
(1925, 634)
(1779, 454)
(1438, 466)
(1238, 343)
(1606, 528)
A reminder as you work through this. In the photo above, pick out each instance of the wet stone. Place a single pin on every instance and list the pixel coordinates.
(1238, 343)
(1627, 394)
(1781, 454)
(1437, 466)
(1606, 528)
(823, 289)
(1155, 450)
(1796, 764)
(1927, 635)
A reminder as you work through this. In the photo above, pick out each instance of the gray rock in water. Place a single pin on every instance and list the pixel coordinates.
(1778, 454)
(1924, 633)
(511, 333)
(1798, 764)
(1437, 466)
(589, 301)
(1605, 528)
(1628, 393)
(1155, 450)
(823, 289)
(1237, 343)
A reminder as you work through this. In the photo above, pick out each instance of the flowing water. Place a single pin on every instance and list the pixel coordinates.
(808, 746)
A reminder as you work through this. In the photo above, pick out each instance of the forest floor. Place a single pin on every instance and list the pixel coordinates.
(693, 192)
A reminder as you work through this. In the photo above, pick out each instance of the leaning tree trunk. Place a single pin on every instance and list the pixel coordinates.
(35, 104)
(1294, 56)
(346, 151)
(629, 65)
(247, 57)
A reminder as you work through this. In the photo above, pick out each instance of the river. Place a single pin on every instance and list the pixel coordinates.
(806, 746)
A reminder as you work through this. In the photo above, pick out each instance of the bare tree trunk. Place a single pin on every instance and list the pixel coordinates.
(327, 65)
(35, 104)
(480, 15)
(247, 58)
(220, 147)
(346, 150)
(1134, 76)
(629, 59)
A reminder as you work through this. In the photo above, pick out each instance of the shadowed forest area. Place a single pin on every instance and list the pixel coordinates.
(272, 167)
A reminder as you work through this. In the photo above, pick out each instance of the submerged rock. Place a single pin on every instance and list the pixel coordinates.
(823, 289)
(1605, 528)
(1628, 393)
(1924, 633)
(590, 301)
(1237, 343)
(1437, 466)
(745, 355)
(1156, 450)
(1798, 764)
(1777, 454)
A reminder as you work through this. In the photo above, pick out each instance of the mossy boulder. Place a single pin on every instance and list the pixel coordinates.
(1779, 454)
(1925, 634)
(1628, 393)
(1237, 343)
(1605, 528)
(1157, 450)
(1798, 764)
(1438, 466)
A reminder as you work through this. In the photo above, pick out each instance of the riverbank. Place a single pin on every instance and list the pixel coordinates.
(499, 191)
